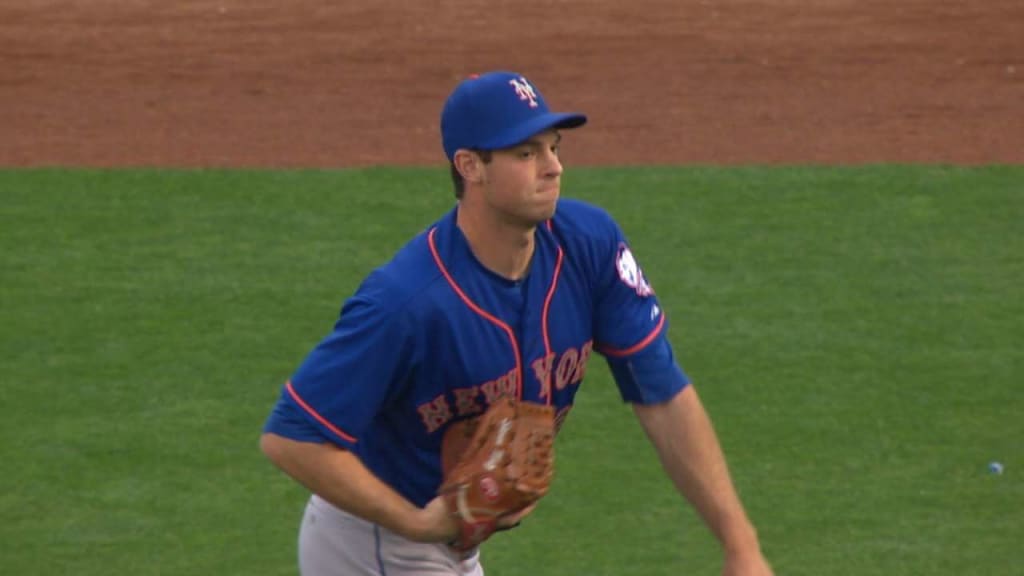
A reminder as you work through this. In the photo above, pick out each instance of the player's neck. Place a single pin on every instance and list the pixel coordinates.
(502, 247)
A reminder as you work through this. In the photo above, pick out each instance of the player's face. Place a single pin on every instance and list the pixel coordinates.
(523, 182)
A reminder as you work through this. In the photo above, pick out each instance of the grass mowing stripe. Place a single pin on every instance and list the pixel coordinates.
(855, 333)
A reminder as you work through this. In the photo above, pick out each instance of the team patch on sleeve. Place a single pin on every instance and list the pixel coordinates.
(630, 272)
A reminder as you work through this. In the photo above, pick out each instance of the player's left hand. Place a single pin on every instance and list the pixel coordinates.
(748, 564)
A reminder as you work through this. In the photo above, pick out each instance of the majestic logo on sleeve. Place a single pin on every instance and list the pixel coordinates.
(524, 90)
(630, 272)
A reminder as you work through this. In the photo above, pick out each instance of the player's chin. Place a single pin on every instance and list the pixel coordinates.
(536, 215)
(545, 208)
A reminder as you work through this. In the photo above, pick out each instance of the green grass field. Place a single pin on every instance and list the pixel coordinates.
(856, 333)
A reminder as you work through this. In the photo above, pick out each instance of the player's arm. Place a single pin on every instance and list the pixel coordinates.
(676, 423)
(331, 402)
(630, 331)
(686, 443)
(339, 477)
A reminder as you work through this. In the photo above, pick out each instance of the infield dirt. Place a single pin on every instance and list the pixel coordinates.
(246, 83)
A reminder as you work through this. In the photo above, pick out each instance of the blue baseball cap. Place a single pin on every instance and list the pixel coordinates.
(497, 110)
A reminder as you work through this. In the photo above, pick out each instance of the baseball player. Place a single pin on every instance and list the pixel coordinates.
(505, 296)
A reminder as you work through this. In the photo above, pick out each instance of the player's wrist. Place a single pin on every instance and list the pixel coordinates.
(749, 561)
(741, 541)
(432, 523)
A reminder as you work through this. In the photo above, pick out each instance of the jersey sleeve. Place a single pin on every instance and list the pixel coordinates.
(630, 327)
(342, 384)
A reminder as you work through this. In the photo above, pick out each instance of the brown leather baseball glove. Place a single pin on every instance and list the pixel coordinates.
(495, 465)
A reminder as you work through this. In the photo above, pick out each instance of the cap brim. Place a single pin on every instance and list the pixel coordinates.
(522, 132)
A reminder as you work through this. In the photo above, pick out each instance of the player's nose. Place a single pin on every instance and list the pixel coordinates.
(552, 164)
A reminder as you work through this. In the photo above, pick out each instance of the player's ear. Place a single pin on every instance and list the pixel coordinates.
(470, 165)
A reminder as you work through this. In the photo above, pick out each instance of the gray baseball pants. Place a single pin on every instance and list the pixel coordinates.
(335, 543)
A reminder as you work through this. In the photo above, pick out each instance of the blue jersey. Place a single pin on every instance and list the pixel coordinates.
(433, 337)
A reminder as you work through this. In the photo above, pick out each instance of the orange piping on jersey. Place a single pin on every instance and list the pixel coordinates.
(608, 351)
(544, 319)
(472, 306)
(315, 414)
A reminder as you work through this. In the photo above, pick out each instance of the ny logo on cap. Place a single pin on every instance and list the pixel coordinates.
(524, 91)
